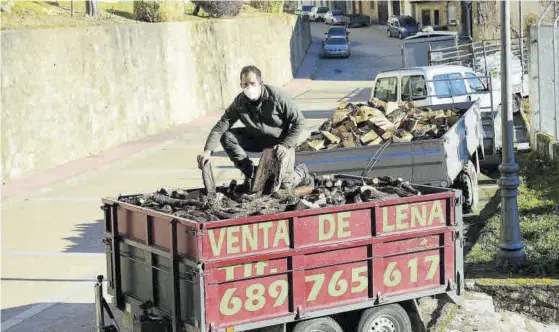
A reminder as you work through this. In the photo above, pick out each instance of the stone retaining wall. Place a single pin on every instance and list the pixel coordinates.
(69, 93)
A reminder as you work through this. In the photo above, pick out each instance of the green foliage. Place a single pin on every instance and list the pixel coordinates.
(158, 10)
(218, 9)
(274, 6)
(538, 205)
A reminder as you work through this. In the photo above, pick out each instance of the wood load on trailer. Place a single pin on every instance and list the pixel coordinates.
(438, 146)
(351, 264)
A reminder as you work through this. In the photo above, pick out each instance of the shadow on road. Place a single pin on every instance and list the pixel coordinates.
(89, 239)
(60, 317)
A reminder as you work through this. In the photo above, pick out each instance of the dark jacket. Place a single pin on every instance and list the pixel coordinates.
(276, 116)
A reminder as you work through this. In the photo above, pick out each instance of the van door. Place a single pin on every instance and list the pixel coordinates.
(449, 88)
(414, 89)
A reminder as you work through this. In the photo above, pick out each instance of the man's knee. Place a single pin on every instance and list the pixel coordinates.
(228, 139)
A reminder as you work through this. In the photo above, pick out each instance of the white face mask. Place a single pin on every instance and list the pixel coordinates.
(252, 92)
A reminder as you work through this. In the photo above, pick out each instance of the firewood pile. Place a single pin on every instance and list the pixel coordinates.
(232, 201)
(355, 125)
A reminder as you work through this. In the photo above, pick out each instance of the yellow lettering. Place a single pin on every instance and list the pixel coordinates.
(232, 239)
(343, 224)
(216, 247)
(281, 233)
(260, 268)
(401, 216)
(322, 235)
(386, 227)
(265, 227)
(418, 216)
(229, 272)
(436, 212)
(248, 270)
(249, 237)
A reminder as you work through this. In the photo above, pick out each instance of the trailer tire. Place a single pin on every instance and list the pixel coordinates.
(322, 324)
(468, 183)
(390, 317)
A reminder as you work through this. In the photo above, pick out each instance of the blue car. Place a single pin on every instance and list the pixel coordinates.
(402, 26)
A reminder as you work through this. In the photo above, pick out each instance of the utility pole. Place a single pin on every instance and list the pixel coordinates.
(511, 251)
(521, 29)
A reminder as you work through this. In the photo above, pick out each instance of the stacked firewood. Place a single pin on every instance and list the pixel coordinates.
(355, 125)
(232, 201)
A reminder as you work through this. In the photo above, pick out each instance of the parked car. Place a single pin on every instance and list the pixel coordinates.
(433, 34)
(317, 13)
(339, 31)
(336, 46)
(402, 26)
(333, 17)
(304, 10)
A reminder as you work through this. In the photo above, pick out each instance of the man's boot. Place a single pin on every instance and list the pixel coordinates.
(246, 166)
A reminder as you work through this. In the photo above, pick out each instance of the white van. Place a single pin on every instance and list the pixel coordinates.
(442, 84)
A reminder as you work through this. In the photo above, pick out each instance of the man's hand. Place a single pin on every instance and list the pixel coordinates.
(204, 158)
(281, 150)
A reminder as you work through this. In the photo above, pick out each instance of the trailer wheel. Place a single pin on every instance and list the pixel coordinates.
(323, 324)
(467, 182)
(387, 318)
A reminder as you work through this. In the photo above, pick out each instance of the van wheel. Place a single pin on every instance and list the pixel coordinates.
(400, 35)
(323, 324)
(468, 183)
(390, 318)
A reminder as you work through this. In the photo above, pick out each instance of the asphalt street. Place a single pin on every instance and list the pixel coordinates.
(51, 234)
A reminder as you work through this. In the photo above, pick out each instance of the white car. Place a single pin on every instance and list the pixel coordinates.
(317, 13)
(333, 17)
(304, 10)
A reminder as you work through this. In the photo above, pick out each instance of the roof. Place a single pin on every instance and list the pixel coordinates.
(437, 69)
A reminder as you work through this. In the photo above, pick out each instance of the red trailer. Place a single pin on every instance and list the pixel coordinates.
(355, 267)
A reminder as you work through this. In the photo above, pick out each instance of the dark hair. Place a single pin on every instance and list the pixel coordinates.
(250, 69)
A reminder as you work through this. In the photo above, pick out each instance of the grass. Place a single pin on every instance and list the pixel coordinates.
(57, 14)
(538, 205)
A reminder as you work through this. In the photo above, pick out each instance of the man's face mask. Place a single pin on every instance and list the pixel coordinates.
(252, 91)
(251, 86)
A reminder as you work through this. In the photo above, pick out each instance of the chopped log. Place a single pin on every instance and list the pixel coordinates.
(348, 140)
(397, 117)
(326, 126)
(330, 137)
(377, 103)
(387, 135)
(376, 141)
(305, 205)
(312, 145)
(272, 171)
(369, 137)
(382, 123)
(339, 116)
(402, 136)
(208, 178)
(397, 191)
(174, 202)
(409, 124)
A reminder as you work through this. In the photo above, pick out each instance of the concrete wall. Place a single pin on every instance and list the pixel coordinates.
(68, 93)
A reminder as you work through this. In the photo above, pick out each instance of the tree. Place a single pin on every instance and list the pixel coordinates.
(92, 8)
(158, 10)
(219, 8)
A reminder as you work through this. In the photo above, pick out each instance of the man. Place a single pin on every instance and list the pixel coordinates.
(271, 120)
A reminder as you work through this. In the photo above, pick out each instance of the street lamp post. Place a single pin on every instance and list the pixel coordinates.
(511, 251)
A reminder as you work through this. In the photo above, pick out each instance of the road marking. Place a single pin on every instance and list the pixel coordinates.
(7, 252)
(38, 308)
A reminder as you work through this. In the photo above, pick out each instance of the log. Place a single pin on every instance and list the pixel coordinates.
(174, 202)
(272, 171)
(208, 178)
(330, 137)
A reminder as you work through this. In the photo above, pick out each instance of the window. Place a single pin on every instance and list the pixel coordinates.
(385, 89)
(475, 83)
(372, 4)
(451, 13)
(437, 18)
(413, 88)
(442, 89)
(449, 88)
(458, 87)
